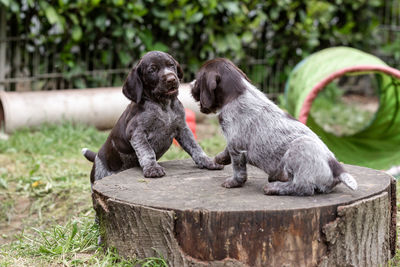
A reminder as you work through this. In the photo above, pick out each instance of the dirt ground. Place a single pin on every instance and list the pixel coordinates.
(367, 103)
(15, 223)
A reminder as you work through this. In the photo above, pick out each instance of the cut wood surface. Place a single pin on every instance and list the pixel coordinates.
(190, 220)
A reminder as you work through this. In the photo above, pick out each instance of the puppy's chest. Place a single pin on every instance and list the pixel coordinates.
(167, 118)
(164, 121)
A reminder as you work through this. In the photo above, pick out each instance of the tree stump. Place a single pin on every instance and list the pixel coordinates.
(190, 220)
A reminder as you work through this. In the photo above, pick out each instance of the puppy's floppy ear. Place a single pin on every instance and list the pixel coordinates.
(208, 85)
(178, 69)
(133, 86)
(195, 90)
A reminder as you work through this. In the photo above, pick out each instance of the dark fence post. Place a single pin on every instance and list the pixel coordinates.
(3, 44)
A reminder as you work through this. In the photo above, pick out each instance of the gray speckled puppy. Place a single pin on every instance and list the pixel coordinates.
(146, 128)
(259, 133)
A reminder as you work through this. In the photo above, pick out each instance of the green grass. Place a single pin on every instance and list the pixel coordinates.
(46, 215)
(71, 244)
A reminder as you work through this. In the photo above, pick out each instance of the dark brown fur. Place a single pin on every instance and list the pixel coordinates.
(336, 168)
(223, 84)
(145, 130)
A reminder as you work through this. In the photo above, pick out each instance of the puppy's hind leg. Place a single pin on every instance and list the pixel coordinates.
(294, 173)
(239, 162)
(288, 188)
(279, 175)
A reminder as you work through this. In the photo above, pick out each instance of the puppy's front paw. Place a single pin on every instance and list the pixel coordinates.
(153, 171)
(270, 190)
(208, 163)
(231, 183)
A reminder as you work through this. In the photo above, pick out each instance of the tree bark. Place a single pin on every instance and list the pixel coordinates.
(187, 218)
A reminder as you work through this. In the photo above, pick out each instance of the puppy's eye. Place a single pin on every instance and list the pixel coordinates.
(171, 65)
(152, 69)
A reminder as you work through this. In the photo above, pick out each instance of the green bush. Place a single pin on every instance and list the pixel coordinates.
(254, 34)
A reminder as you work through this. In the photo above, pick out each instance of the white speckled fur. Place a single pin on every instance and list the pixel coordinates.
(167, 71)
(84, 150)
(283, 147)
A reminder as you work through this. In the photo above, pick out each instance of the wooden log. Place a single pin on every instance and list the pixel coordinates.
(190, 220)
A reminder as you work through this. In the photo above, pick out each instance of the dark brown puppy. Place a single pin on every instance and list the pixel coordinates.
(145, 130)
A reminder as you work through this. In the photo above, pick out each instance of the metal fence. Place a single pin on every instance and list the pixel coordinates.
(25, 66)
(28, 64)
(389, 33)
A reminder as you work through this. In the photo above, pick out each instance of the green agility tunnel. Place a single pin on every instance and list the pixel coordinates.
(378, 144)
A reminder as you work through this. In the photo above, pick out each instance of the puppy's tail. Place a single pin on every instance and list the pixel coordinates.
(348, 180)
(339, 173)
(89, 155)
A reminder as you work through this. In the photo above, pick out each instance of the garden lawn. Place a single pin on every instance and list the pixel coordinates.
(46, 215)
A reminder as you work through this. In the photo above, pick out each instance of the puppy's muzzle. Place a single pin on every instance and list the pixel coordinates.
(171, 83)
(205, 110)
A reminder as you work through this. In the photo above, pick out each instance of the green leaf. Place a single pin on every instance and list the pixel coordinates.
(95, 2)
(52, 15)
(14, 6)
(100, 22)
(247, 36)
(5, 2)
(172, 30)
(124, 57)
(232, 7)
(74, 18)
(76, 33)
(118, 32)
(160, 47)
(61, 2)
(159, 13)
(119, 2)
(164, 24)
(79, 83)
(130, 33)
(105, 57)
(147, 38)
(182, 36)
(274, 13)
(195, 18)
(233, 41)
(221, 44)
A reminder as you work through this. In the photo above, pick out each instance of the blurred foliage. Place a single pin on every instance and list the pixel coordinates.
(116, 33)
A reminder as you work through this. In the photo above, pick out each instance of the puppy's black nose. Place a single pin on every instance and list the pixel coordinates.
(170, 81)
